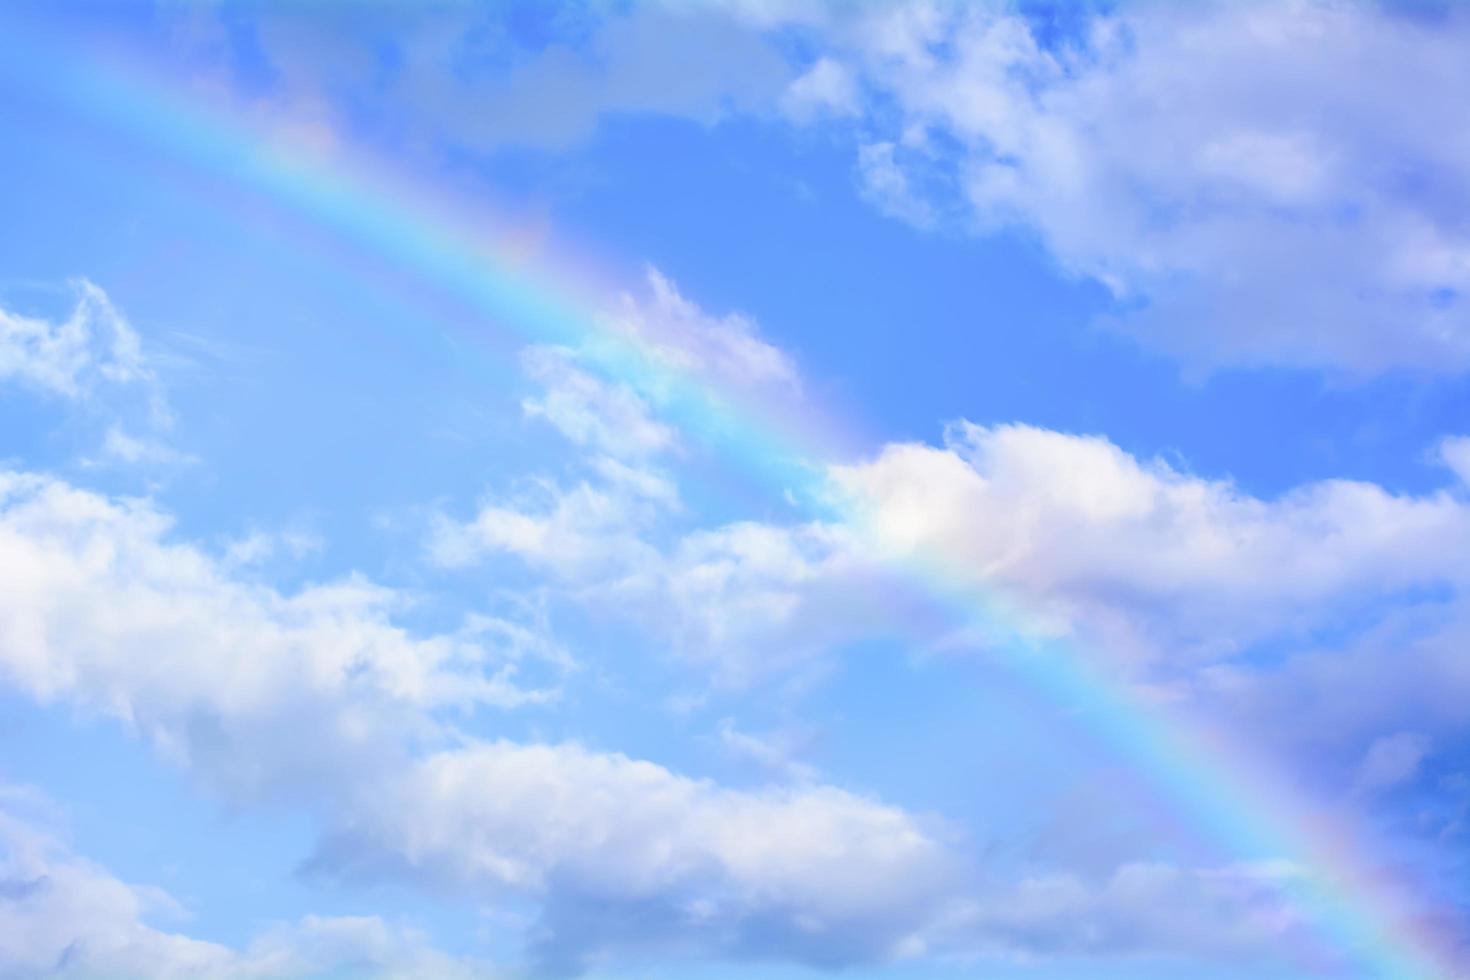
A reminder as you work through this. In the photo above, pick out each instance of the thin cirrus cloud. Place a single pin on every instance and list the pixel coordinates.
(72, 357)
(92, 360)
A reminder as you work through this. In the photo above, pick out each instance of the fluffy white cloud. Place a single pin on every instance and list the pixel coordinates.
(1323, 629)
(1176, 579)
(815, 873)
(63, 916)
(101, 611)
(1257, 183)
(1144, 559)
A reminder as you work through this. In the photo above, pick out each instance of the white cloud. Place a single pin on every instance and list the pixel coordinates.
(94, 360)
(751, 601)
(827, 88)
(1147, 908)
(774, 752)
(829, 873)
(101, 610)
(1143, 559)
(726, 349)
(1258, 183)
(63, 916)
(93, 346)
(888, 186)
(1454, 452)
(1363, 711)
(590, 412)
(259, 547)
(119, 445)
(1323, 629)
(1393, 759)
(365, 945)
(230, 679)
(588, 532)
(744, 601)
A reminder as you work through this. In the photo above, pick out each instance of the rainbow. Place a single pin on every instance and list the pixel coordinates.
(1234, 799)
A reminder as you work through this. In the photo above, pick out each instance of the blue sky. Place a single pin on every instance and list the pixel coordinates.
(927, 491)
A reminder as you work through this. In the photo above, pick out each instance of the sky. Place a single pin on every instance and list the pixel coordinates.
(747, 488)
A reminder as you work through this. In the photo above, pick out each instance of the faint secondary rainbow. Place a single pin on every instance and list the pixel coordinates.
(1219, 788)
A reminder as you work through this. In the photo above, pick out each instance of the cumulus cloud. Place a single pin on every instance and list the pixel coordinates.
(102, 610)
(1256, 183)
(1323, 629)
(1163, 569)
(816, 873)
(1175, 580)
(1144, 559)
(746, 600)
(230, 679)
(63, 916)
